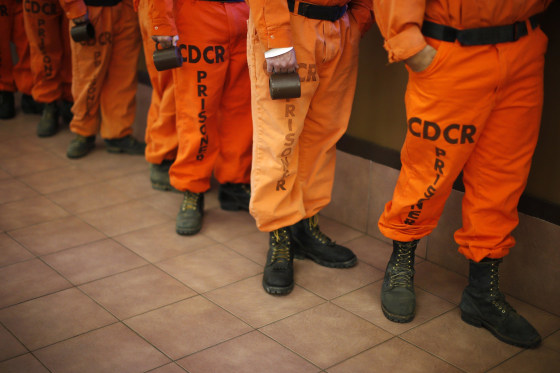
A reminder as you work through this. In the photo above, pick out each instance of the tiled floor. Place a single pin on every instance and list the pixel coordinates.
(93, 278)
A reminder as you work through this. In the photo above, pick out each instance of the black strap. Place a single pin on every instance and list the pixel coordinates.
(325, 13)
(479, 36)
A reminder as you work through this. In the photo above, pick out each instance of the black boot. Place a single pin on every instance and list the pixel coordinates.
(80, 146)
(48, 124)
(7, 106)
(159, 175)
(484, 305)
(126, 144)
(234, 197)
(398, 300)
(189, 218)
(66, 111)
(30, 106)
(278, 277)
(310, 242)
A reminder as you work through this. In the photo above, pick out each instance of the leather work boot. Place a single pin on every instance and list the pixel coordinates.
(48, 124)
(484, 305)
(159, 175)
(278, 276)
(127, 144)
(66, 111)
(189, 218)
(30, 106)
(80, 146)
(310, 242)
(398, 300)
(234, 197)
(7, 106)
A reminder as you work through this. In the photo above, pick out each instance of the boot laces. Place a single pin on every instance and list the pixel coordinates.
(497, 297)
(402, 272)
(190, 201)
(316, 232)
(280, 247)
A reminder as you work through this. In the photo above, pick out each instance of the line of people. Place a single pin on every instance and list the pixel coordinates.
(473, 100)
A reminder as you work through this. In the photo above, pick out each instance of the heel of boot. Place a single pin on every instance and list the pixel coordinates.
(228, 203)
(471, 320)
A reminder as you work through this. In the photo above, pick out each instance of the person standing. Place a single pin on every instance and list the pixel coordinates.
(473, 103)
(294, 139)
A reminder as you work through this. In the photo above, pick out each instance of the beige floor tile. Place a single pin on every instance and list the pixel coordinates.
(466, 347)
(546, 323)
(253, 246)
(17, 146)
(187, 327)
(56, 235)
(14, 190)
(105, 166)
(247, 300)
(366, 303)
(4, 175)
(372, 251)
(136, 185)
(336, 231)
(394, 355)
(210, 268)
(165, 202)
(51, 181)
(333, 282)
(90, 197)
(125, 217)
(93, 261)
(440, 281)
(26, 363)
(168, 368)
(162, 242)
(27, 212)
(249, 353)
(326, 334)
(28, 280)
(9, 345)
(30, 163)
(114, 348)
(224, 226)
(53, 318)
(540, 360)
(12, 251)
(136, 291)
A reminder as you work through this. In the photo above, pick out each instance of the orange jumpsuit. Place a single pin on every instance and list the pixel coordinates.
(105, 70)
(294, 139)
(475, 109)
(47, 32)
(14, 77)
(212, 87)
(161, 134)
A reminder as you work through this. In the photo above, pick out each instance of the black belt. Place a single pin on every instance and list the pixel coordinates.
(325, 13)
(479, 36)
(227, 1)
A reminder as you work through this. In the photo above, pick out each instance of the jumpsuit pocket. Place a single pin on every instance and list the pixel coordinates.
(441, 51)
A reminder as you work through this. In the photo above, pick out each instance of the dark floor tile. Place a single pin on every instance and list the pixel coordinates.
(9, 345)
(12, 251)
(14, 190)
(28, 211)
(23, 364)
(540, 360)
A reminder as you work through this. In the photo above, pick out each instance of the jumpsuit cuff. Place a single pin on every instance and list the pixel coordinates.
(74, 8)
(163, 28)
(276, 38)
(405, 44)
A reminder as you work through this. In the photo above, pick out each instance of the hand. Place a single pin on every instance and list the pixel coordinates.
(165, 41)
(421, 60)
(82, 19)
(284, 63)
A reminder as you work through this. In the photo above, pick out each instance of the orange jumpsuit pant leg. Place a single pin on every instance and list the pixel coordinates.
(458, 117)
(212, 32)
(46, 27)
(161, 133)
(22, 70)
(294, 140)
(104, 70)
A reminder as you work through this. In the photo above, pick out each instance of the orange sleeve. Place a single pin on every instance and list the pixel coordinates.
(163, 20)
(400, 22)
(272, 21)
(362, 11)
(73, 8)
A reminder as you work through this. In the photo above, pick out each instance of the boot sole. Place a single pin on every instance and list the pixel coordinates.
(397, 318)
(275, 290)
(347, 264)
(164, 187)
(120, 150)
(479, 323)
(188, 232)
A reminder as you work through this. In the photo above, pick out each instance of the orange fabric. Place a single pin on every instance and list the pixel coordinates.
(294, 139)
(104, 69)
(161, 134)
(400, 21)
(272, 19)
(475, 109)
(214, 124)
(14, 77)
(49, 42)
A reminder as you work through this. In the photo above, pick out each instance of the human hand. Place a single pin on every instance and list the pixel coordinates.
(165, 41)
(82, 19)
(421, 60)
(284, 63)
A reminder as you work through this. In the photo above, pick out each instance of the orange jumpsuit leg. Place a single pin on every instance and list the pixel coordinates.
(460, 112)
(46, 27)
(294, 140)
(22, 70)
(161, 133)
(211, 75)
(104, 70)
